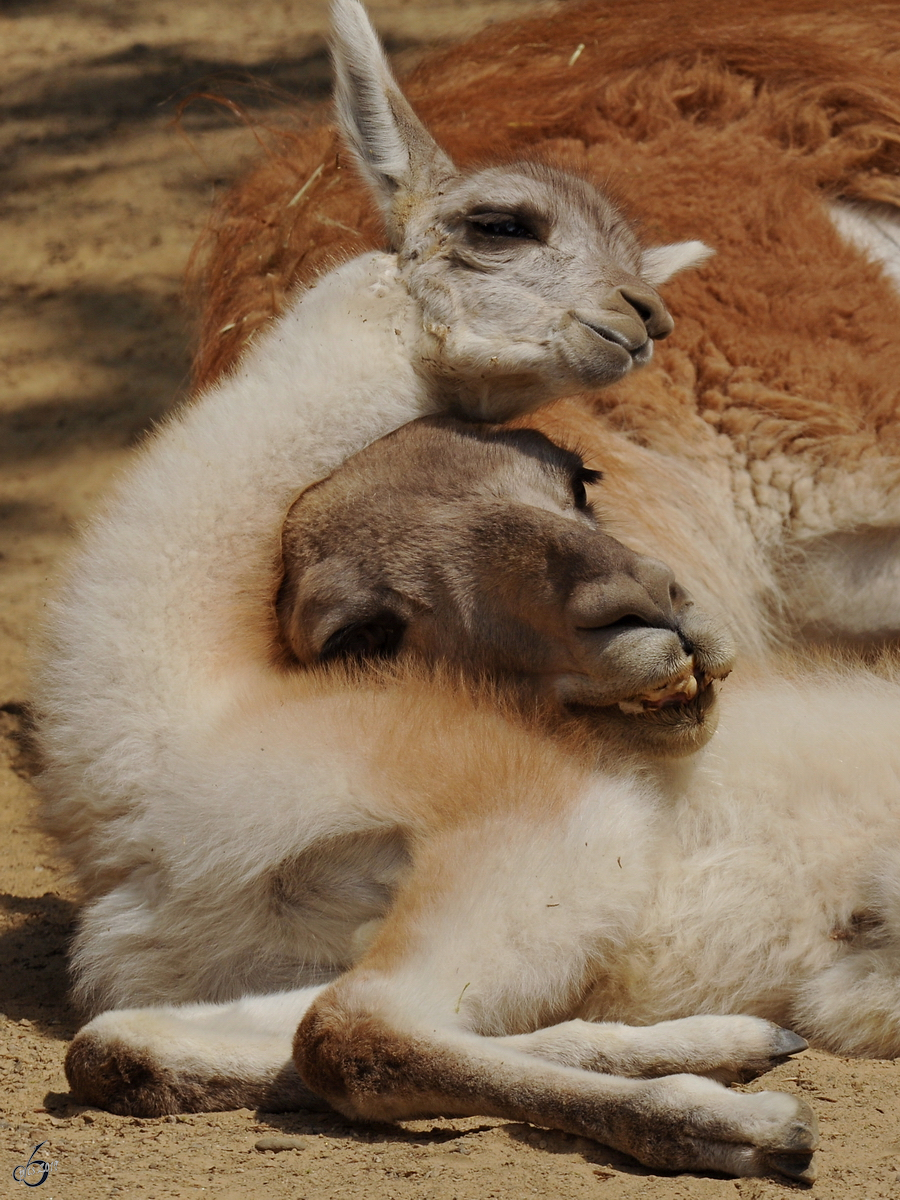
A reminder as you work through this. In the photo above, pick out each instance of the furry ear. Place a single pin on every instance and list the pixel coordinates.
(660, 263)
(327, 611)
(392, 147)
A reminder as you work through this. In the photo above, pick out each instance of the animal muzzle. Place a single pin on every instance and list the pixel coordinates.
(639, 641)
(631, 317)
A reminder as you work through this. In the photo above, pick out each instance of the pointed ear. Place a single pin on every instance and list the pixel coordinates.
(392, 147)
(660, 263)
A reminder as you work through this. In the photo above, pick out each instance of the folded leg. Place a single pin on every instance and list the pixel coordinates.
(846, 585)
(499, 927)
(148, 1062)
(369, 1068)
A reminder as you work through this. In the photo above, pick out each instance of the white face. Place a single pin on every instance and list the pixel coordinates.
(530, 282)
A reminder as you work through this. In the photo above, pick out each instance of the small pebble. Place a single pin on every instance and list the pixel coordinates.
(281, 1142)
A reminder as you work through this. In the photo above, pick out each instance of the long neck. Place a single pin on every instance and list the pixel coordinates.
(170, 594)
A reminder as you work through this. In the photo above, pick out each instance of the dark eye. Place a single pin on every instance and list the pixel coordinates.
(502, 225)
(583, 476)
(377, 638)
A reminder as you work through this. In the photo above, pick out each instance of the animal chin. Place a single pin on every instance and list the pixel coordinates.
(643, 354)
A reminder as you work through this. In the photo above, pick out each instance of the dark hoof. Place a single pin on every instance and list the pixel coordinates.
(782, 1045)
(788, 1043)
(800, 1167)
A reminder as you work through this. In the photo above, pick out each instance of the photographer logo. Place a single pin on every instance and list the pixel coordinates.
(36, 1171)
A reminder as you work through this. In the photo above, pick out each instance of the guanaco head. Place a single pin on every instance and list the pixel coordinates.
(478, 547)
(529, 281)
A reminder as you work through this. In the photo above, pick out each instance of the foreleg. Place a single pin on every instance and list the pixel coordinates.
(369, 1068)
(728, 1048)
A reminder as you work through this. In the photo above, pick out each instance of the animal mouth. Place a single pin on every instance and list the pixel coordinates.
(678, 691)
(640, 353)
(685, 699)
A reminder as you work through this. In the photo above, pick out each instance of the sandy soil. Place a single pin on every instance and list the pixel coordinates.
(102, 199)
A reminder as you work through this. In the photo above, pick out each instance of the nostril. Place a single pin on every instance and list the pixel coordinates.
(641, 307)
(651, 311)
(635, 598)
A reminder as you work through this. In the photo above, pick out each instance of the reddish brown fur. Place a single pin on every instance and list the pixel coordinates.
(471, 751)
(705, 121)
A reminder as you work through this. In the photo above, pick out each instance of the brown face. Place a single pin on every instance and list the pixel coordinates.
(476, 546)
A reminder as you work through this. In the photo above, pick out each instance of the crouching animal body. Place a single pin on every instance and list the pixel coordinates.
(441, 546)
(162, 677)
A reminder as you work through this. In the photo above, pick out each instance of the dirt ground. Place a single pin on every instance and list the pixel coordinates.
(102, 199)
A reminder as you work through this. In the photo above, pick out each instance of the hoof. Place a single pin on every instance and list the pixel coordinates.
(800, 1167)
(788, 1043)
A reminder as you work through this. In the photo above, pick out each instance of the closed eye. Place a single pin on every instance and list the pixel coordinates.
(502, 225)
(583, 476)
